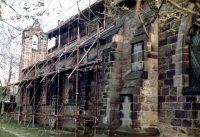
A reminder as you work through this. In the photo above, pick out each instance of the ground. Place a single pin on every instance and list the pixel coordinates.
(6, 134)
(10, 128)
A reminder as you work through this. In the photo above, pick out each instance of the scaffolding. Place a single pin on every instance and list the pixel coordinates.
(58, 115)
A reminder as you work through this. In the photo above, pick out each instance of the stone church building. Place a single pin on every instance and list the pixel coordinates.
(113, 73)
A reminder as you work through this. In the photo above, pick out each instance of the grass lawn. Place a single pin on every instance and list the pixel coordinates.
(21, 130)
(10, 128)
(15, 128)
(6, 134)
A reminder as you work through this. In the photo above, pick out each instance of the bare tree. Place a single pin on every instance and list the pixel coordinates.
(172, 9)
(10, 38)
(9, 60)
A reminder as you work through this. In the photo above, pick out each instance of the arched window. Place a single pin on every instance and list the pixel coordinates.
(35, 42)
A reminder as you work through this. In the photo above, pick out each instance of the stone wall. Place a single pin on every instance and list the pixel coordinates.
(139, 74)
(178, 109)
(110, 84)
(139, 93)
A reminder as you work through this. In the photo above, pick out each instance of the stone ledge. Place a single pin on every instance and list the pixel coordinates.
(137, 131)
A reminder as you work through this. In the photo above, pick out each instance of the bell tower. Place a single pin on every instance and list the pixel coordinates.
(34, 45)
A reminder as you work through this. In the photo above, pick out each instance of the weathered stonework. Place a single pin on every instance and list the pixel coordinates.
(133, 83)
(178, 111)
(31, 56)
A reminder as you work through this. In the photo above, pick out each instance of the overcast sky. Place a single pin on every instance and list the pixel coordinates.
(62, 10)
(54, 10)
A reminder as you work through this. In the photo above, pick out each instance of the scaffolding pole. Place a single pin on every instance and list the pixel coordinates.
(19, 92)
(76, 67)
(97, 79)
(77, 75)
(26, 93)
(33, 109)
(78, 62)
(86, 53)
(56, 62)
(47, 72)
(29, 70)
(46, 88)
(11, 105)
(19, 111)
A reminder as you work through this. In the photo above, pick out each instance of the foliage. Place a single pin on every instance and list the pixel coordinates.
(112, 8)
(2, 93)
(154, 4)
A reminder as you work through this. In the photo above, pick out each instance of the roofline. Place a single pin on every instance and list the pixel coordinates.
(113, 26)
(72, 17)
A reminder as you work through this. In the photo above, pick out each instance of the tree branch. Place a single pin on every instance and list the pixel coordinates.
(137, 9)
(145, 30)
(182, 8)
(10, 7)
(11, 25)
(197, 4)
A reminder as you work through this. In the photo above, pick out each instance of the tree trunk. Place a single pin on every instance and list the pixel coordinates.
(10, 70)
